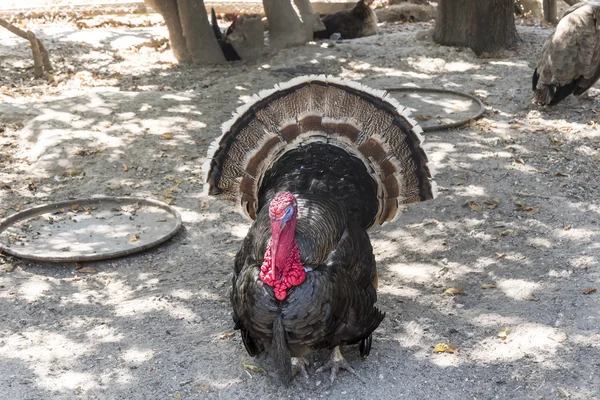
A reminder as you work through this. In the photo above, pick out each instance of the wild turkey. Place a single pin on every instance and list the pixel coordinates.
(227, 48)
(570, 59)
(315, 162)
(357, 22)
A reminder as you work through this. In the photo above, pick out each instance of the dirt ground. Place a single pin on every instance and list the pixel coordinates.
(516, 226)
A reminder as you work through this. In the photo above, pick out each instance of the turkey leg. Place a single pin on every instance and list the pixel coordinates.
(336, 363)
(299, 365)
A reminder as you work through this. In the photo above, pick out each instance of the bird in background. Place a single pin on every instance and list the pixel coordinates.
(570, 59)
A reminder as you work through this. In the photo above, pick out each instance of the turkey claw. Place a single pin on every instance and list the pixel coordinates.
(299, 365)
(336, 363)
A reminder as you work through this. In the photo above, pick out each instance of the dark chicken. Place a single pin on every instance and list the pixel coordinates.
(570, 59)
(357, 22)
(315, 163)
(226, 47)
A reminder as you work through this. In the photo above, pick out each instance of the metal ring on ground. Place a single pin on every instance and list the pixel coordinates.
(444, 91)
(97, 228)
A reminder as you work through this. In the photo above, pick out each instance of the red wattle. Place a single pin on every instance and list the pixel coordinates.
(293, 272)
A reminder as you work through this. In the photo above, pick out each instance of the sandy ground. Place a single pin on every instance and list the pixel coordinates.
(518, 211)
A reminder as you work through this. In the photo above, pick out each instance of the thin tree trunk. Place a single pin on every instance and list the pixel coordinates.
(191, 36)
(550, 11)
(285, 27)
(201, 41)
(38, 65)
(170, 13)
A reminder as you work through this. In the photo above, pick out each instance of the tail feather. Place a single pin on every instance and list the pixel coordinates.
(551, 95)
(281, 353)
(215, 25)
(366, 123)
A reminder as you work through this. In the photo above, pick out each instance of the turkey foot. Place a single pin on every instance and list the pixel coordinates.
(299, 365)
(336, 363)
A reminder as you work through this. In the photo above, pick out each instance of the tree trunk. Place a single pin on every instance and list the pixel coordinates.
(550, 10)
(201, 41)
(482, 25)
(191, 36)
(285, 26)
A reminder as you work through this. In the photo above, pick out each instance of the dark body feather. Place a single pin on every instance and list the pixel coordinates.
(350, 24)
(335, 305)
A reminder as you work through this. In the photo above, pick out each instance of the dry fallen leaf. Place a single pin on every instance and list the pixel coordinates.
(134, 238)
(421, 117)
(491, 203)
(473, 205)
(226, 335)
(589, 290)
(525, 208)
(7, 267)
(454, 291)
(73, 172)
(169, 200)
(561, 174)
(568, 227)
(125, 167)
(488, 286)
(445, 348)
(503, 334)
(177, 395)
(254, 368)
(166, 136)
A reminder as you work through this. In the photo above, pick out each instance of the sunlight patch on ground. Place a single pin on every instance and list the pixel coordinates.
(414, 272)
(437, 65)
(394, 290)
(516, 64)
(140, 306)
(34, 289)
(103, 334)
(136, 355)
(190, 216)
(535, 341)
(46, 353)
(470, 191)
(518, 289)
(67, 380)
(413, 334)
(239, 230)
(182, 294)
